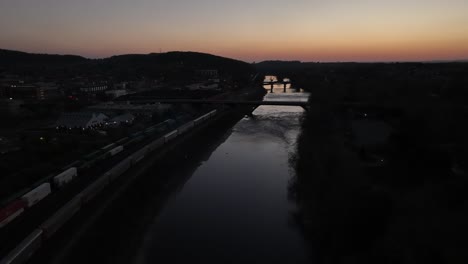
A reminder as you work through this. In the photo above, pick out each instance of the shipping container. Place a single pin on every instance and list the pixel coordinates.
(37, 194)
(156, 144)
(65, 177)
(25, 249)
(94, 188)
(11, 211)
(116, 150)
(184, 128)
(122, 140)
(140, 154)
(119, 169)
(108, 146)
(76, 163)
(56, 221)
(170, 136)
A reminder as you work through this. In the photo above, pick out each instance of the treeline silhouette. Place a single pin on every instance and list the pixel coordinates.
(410, 206)
(171, 66)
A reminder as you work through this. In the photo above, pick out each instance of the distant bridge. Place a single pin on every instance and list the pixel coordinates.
(217, 102)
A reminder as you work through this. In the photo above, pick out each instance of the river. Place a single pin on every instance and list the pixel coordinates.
(232, 207)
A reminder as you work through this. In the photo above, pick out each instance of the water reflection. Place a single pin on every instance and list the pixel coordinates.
(235, 207)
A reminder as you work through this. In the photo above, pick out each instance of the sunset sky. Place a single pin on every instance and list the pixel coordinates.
(249, 30)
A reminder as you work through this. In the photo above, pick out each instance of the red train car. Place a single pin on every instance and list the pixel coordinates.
(11, 211)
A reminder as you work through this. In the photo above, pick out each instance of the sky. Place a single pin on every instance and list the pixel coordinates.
(249, 30)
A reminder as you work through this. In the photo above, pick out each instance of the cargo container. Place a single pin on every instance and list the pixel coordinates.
(55, 222)
(170, 136)
(156, 144)
(184, 128)
(108, 146)
(119, 169)
(25, 249)
(65, 177)
(116, 150)
(76, 163)
(37, 194)
(11, 211)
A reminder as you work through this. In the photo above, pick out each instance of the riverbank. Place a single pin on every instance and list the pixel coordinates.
(115, 195)
(397, 199)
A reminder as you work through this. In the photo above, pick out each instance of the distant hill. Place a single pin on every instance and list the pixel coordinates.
(10, 57)
(121, 66)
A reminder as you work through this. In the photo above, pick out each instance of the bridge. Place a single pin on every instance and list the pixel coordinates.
(273, 82)
(145, 100)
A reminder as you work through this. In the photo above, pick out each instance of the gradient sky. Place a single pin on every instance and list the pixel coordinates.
(250, 30)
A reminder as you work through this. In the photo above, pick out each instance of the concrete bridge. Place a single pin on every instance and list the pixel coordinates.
(272, 84)
(216, 102)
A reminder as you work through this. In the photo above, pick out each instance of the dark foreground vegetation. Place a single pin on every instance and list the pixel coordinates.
(382, 162)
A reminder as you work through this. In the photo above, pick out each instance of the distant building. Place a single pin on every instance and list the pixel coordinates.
(38, 91)
(10, 107)
(212, 73)
(81, 120)
(94, 89)
(122, 119)
(116, 93)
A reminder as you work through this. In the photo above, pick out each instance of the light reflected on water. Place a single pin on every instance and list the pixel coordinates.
(235, 207)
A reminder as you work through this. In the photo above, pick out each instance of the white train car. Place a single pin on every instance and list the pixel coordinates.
(116, 150)
(170, 136)
(37, 194)
(65, 177)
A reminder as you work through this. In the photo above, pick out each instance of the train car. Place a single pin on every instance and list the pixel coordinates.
(94, 188)
(119, 169)
(187, 126)
(137, 134)
(170, 136)
(156, 144)
(76, 163)
(116, 150)
(92, 155)
(65, 177)
(37, 194)
(110, 146)
(213, 113)
(121, 141)
(132, 141)
(140, 154)
(65, 213)
(27, 247)
(11, 211)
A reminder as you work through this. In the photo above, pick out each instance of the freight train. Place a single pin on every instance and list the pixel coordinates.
(52, 184)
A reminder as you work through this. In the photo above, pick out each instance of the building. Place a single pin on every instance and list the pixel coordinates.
(82, 120)
(212, 73)
(38, 91)
(94, 89)
(10, 107)
(116, 93)
(122, 119)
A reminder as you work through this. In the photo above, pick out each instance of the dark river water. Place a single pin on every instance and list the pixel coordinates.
(235, 207)
(232, 206)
